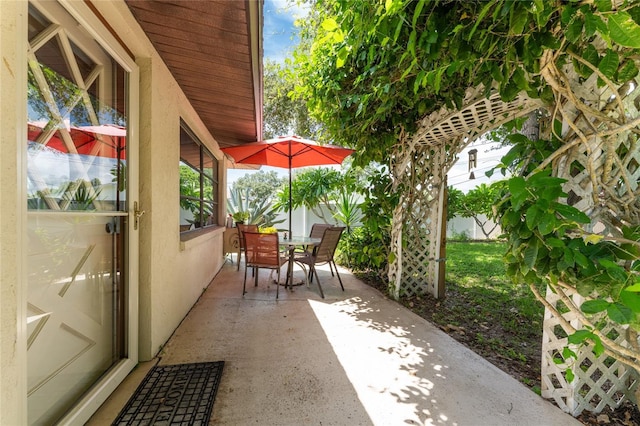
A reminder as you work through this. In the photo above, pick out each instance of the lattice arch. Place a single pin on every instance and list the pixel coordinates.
(600, 159)
(419, 167)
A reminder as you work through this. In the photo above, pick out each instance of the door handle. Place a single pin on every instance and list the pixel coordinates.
(136, 215)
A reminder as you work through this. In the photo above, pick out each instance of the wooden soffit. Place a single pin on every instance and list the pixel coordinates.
(214, 50)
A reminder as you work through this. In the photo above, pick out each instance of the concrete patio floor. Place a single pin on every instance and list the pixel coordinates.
(353, 358)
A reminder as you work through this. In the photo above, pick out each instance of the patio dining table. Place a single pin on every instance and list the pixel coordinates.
(292, 242)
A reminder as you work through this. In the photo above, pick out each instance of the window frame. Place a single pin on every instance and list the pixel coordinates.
(206, 175)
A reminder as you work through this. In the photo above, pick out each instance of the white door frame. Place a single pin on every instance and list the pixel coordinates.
(85, 407)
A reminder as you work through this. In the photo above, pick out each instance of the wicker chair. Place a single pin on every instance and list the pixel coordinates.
(323, 253)
(262, 251)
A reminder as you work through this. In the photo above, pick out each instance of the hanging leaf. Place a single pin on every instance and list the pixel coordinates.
(609, 64)
(631, 300)
(623, 30)
(569, 375)
(620, 313)
(532, 216)
(531, 254)
(628, 71)
(580, 336)
(574, 30)
(598, 347)
(603, 5)
(416, 12)
(518, 19)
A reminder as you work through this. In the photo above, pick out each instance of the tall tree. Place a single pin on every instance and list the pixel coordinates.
(284, 115)
(260, 185)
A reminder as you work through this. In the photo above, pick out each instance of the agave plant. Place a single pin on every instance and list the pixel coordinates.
(262, 212)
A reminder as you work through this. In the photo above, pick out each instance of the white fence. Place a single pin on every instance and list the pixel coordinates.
(467, 228)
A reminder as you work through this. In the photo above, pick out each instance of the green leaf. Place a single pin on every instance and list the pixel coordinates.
(568, 353)
(532, 216)
(581, 259)
(555, 242)
(634, 288)
(342, 56)
(620, 313)
(388, 5)
(531, 254)
(592, 23)
(609, 64)
(329, 24)
(517, 187)
(568, 374)
(479, 19)
(571, 213)
(623, 30)
(631, 300)
(616, 272)
(591, 55)
(628, 71)
(574, 30)
(417, 11)
(594, 306)
(603, 5)
(517, 19)
(579, 336)
(598, 347)
(547, 223)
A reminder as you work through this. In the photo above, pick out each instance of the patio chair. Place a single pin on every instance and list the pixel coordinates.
(262, 251)
(241, 229)
(323, 253)
(317, 230)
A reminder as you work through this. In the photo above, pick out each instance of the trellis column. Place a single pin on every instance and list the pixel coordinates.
(600, 152)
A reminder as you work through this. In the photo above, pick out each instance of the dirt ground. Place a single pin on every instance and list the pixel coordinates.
(526, 371)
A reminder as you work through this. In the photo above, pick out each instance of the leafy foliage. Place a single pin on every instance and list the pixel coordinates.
(284, 115)
(375, 69)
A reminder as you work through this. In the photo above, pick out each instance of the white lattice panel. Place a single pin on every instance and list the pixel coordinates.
(419, 166)
(599, 382)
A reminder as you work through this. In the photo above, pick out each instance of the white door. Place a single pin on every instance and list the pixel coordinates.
(78, 229)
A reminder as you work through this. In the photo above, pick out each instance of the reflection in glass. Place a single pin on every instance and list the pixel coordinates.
(198, 183)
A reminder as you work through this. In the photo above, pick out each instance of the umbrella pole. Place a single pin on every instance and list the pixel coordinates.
(290, 206)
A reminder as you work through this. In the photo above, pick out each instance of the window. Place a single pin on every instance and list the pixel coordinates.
(198, 183)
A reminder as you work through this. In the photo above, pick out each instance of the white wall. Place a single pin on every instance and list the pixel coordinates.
(458, 225)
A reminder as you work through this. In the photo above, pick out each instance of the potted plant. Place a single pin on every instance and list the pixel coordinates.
(240, 217)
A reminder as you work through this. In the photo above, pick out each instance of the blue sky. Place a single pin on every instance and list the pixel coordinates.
(279, 31)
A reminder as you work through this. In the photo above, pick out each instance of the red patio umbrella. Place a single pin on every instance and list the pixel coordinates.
(288, 152)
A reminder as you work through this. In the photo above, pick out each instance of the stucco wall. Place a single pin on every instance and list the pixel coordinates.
(12, 210)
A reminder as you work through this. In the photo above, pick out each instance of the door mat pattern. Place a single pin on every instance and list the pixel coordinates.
(181, 394)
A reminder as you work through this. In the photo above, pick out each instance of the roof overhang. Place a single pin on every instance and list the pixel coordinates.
(214, 50)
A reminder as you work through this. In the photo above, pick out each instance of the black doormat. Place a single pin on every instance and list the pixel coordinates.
(181, 394)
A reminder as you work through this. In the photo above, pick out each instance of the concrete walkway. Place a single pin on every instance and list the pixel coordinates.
(354, 358)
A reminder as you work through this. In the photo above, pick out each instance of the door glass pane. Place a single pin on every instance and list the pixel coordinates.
(76, 171)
